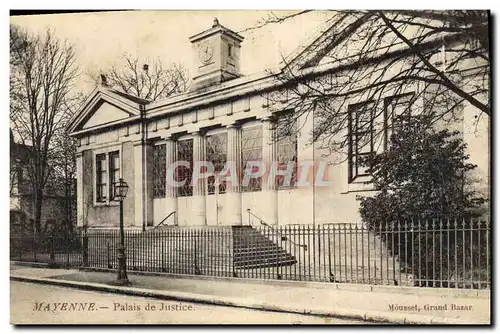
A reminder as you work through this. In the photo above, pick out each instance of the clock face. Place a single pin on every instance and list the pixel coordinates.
(206, 52)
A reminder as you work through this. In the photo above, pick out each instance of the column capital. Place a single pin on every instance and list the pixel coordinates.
(233, 126)
(141, 142)
(169, 138)
(196, 133)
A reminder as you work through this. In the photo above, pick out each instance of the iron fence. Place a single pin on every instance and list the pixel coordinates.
(430, 253)
(60, 248)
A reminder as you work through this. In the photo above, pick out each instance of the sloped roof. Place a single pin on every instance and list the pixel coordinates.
(305, 55)
(130, 97)
(126, 102)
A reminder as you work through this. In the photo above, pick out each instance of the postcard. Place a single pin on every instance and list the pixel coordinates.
(250, 167)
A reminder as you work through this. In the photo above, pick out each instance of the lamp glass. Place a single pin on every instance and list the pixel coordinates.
(121, 189)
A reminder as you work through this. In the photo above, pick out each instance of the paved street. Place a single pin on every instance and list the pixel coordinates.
(35, 303)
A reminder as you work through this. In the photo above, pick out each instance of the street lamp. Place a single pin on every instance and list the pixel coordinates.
(121, 188)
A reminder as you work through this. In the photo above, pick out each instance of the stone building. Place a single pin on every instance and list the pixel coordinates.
(58, 210)
(224, 117)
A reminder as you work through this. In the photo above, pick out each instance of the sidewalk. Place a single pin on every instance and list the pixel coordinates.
(360, 302)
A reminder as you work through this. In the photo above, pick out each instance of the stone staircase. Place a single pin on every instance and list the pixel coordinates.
(342, 254)
(252, 249)
(217, 251)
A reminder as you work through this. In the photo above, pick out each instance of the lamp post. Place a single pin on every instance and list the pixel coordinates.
(121, 188)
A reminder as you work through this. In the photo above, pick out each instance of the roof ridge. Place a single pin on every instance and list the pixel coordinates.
(129, 96)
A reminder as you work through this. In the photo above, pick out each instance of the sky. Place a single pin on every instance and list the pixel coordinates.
(102, 38)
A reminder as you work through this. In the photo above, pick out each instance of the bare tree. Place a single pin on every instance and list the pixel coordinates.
(373, 54)
(41, 81)
(62, 161)
(150, 81)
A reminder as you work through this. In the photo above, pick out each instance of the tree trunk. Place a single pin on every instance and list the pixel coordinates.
(66, 197)
(38, 210)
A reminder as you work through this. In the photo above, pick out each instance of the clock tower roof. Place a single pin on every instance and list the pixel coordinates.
(216, 28)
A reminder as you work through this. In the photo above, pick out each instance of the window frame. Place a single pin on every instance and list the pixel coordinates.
(248, 127)
(353, 153)
(111, 171)
(388, 102)
(210, 183)
(162, 177)
(277, 143)
(106, 151)
(100, 184)
(187, 185)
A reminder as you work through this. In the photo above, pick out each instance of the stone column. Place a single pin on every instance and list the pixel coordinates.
(149, 193)
(143, 184)
(170, 191)
(79, 190)
(233, 194)
(199, 202)
(269, 199)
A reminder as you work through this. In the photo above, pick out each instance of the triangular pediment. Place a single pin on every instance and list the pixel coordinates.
(104, 113)
(102, 108)
(330, 34)
(354, 38)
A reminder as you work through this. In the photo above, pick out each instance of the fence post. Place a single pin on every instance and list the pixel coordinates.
(162, 250)
(107, 253)
(52, 262)
(34, 245)
(67, 241)
(85, 249)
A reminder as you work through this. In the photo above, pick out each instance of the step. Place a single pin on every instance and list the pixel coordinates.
(253, 246)
(261, 253)
(264, 260)
(263, 257)
(253, 249)
(266, 265)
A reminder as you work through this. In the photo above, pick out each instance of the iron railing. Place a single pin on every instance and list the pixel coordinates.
(162, 223)
(60, 248)
(430, 253)
(262, 222)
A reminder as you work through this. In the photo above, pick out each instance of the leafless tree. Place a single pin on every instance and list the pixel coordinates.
(148, 80)
(41, 79)
(373, 54)
(13, 178)
(63, 163)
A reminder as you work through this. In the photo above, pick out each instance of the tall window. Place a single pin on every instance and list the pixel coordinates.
(251, 150)
(286, 153)
(185, 153)
(101, 177)
(361, 132)
(216, 146)
(107, 174)
(397, 112)
(114, 172)
(159, 170)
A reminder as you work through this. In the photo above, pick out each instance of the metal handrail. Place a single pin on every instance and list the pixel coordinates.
(164, 219)
(284, 238)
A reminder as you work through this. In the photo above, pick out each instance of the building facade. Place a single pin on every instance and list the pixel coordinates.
(224, 118)
(58, 209)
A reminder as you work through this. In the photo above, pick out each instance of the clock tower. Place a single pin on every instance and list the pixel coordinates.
(216, 56)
